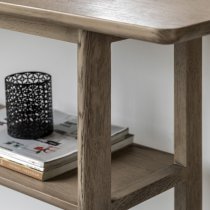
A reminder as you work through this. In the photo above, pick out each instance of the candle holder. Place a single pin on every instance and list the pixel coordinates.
(29, 105)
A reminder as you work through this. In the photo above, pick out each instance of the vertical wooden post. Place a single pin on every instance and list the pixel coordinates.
(94, 113)
(188, 123)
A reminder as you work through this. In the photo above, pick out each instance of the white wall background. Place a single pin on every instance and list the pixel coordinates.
(142, 97)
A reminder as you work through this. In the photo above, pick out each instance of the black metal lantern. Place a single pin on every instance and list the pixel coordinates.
(29, 105)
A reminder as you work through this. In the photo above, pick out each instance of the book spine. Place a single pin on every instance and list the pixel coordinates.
(21, 169)
(20, 157)
(12, 159)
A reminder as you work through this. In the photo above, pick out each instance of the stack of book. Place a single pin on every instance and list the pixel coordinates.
(53, 155)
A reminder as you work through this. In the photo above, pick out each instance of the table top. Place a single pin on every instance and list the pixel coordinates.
(162, 21)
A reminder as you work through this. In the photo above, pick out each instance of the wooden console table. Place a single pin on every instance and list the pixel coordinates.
(137, 173)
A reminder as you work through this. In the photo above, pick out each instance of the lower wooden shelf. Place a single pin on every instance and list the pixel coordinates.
(138, 173)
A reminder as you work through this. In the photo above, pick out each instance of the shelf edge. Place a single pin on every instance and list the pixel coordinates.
(157, 183)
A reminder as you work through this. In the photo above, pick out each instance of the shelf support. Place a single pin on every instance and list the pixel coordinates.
(94, 115)
(39, 28)
(188, 123)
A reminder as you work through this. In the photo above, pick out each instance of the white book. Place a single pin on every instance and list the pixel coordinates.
(44, 153)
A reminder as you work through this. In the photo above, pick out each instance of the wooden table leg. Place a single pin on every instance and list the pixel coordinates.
(94, 112)
(188, 123)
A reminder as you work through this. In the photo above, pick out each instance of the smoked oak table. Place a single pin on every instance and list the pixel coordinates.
(136, 173)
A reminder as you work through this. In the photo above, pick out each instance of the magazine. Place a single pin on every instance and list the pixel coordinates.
(60, 146)
(57, 170)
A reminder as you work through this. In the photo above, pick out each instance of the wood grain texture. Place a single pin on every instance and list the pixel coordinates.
(94, 121)
(43, 28)
(188, 123)
(156, 21)
(145, 187)
(39, 28)
(133, 169)
(157, 183)
(60, 191)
